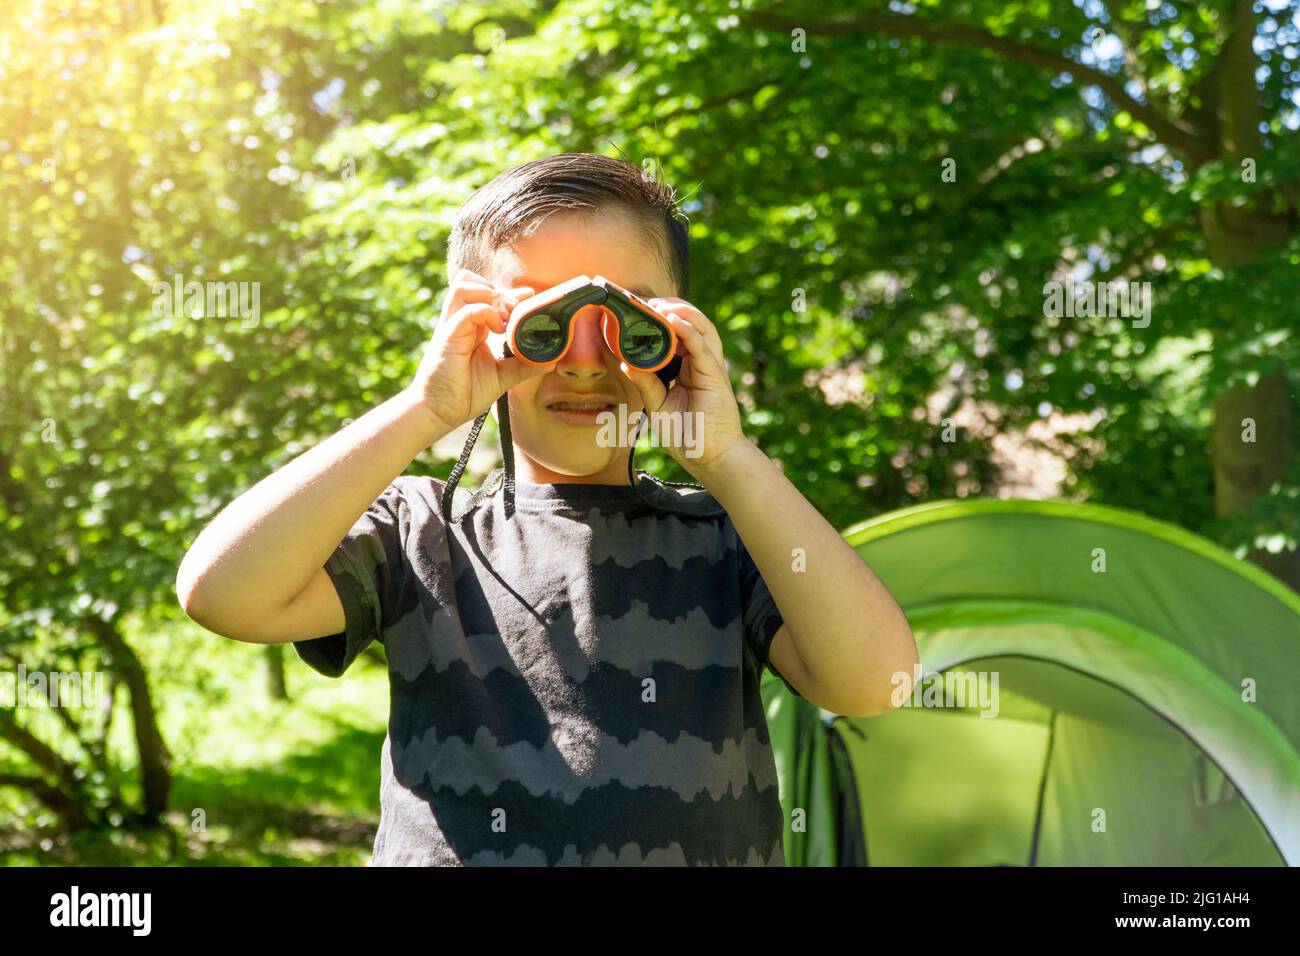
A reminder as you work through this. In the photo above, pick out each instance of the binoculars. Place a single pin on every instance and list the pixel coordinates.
(540, 329)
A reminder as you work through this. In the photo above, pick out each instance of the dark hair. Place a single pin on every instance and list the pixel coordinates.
(508, 206)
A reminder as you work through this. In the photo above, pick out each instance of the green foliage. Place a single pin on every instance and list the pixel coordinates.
(885, 326)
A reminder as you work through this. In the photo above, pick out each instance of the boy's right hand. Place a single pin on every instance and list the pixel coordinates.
(459, 378)
(237, 579)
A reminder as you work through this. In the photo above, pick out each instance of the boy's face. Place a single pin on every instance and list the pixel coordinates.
(553, 441)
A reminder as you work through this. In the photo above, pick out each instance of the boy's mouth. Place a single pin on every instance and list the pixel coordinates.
(579, 410)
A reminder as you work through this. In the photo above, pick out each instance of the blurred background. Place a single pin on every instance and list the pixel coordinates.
(225, 227)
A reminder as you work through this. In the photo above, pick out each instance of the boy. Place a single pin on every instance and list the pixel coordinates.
(576, 680)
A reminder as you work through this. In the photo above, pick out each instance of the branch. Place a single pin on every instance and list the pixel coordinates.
(1156, 239)
(155, 760)
(1238, 101)
(63, 714)
(755, 120)
(41, 754)
(72, 813)
(719, 100)
(1174, 132)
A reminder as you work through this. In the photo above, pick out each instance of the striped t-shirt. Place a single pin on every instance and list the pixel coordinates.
(577, 684)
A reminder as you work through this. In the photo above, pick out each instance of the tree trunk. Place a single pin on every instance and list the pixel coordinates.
(1252, 452)
(275, 672)
(155, 760)
(1247, 460)
(71, 812)
(66, 797)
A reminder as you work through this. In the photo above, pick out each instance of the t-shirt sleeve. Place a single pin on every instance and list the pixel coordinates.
(760, 617)
(367, 570)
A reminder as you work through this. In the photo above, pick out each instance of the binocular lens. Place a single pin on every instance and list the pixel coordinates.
(541, 338)
(643, 342)
(544, 337)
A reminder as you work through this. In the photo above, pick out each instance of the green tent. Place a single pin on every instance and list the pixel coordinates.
(1097, 688)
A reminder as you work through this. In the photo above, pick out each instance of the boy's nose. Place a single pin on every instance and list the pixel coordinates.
(588, 354)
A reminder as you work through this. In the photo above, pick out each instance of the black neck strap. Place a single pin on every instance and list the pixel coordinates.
(489, 486)
(653, 491)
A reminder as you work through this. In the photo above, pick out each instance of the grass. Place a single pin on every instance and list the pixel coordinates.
(256, 781)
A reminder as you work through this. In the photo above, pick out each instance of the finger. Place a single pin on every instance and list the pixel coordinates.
(468, 280)
(510, 295)
(461, 294)
(470, 276)
(456, 303)
(509, 298)
(697, 319)
(465, 324)
(701, 367)
(696, 346)
(652, 390)
(511, 371)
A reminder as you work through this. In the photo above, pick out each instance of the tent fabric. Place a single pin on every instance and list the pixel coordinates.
(801, 747)
(1250, 750)
(850, 838)
(1157, 577)
(1123, 640)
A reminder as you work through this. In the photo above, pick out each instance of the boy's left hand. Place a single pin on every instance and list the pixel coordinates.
(705, 416)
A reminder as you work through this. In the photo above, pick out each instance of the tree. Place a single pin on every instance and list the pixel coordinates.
(866, 297)
(139, 154)
(880, 195)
